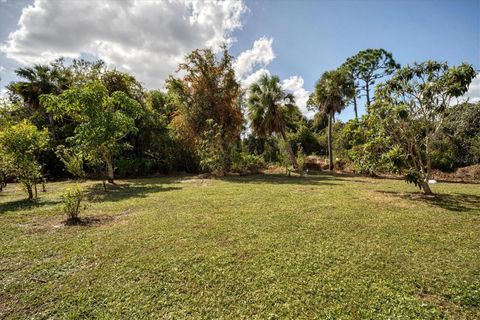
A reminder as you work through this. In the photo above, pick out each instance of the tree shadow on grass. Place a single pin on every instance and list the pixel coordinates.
(124, 190)
(457, 202)
(25, 204)
(274, 178)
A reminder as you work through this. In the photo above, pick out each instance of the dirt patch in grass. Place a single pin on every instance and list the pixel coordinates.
(385, 197)
(443, 303)
(48, 224)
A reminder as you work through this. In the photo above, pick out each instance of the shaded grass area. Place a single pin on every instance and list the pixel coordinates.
(266, 246)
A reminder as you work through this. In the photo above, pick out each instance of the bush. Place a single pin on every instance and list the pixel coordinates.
(72, 199)
(301, 157)
(245, 162)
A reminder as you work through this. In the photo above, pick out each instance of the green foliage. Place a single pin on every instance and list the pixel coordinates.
(301, 157)
(244, 162)
(107, 119)
(408, 114)
(332, 93)
(459, 138)
(104, 120)
(72, 199)
(306, 138)
(368, 66)
(414, 177)
(210, 149)
(20, 145)
(270, 109)
(73, 161)
(269, 106)
(208, 90)
(395, 159)
(267, 147)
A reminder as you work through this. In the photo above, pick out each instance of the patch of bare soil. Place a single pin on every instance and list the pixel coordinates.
(49, 224)
(443, 303)
(387, 198)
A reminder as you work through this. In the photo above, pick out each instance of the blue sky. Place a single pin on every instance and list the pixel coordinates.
(309, 37)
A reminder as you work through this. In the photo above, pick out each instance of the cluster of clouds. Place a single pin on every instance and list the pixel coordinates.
(253, 63)
(473, 94)
(147, 38)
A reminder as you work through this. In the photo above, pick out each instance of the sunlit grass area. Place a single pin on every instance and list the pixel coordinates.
(264, 246)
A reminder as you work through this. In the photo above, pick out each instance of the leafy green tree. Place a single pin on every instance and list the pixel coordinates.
(366, 68)
(104, 120)
(208, 90)
(115, 80)
(331, 94)
(268, 109)
(409, 111)
(38, 80)
(20, 145)
(458, 143)
(210, 149)
(160, 103)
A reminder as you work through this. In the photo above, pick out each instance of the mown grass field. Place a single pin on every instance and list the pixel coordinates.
(265, 246)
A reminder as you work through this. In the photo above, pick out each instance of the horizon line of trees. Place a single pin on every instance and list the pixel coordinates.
(83, 119)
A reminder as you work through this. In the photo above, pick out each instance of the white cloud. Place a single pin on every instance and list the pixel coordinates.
(261, 54)
(254, 77)
(258, 57)
(148, 38)
(294, 85)
(473, 93)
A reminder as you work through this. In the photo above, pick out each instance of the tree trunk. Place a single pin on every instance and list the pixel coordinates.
(288, 149)
(355, 106)
(426, 188)
(29, 191)
(367, 89)
(108, 161)
(330, 153)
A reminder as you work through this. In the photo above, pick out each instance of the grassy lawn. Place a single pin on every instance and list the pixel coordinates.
(264, 246)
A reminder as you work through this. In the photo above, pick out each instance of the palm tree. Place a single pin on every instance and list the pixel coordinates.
(268, 108)
(39, 79)
(332, 93)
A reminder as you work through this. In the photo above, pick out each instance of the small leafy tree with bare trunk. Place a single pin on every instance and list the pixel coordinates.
(268, 106)
(409, 111)
(20, 145)
(332, 93)
(104, 120)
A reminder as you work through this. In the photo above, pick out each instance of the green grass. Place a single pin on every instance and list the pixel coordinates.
(264, 246)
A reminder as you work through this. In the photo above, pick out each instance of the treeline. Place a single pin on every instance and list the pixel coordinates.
(82, 119)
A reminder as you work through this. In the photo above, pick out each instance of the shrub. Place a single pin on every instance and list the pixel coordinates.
(245, 162)
(72, 199)
(301, 156)
(20, 145)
